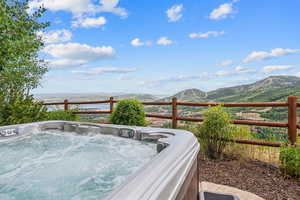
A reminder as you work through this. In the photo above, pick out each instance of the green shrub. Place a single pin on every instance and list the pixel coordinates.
(290, 160)
(22, 109)
(129, 112)
(214, 131)
(62, 115)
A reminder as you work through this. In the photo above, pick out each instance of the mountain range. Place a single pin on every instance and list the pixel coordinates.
(273, 88)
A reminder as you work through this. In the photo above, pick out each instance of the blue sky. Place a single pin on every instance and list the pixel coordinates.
(165, 46)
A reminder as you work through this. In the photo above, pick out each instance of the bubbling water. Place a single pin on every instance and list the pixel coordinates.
(56, 165)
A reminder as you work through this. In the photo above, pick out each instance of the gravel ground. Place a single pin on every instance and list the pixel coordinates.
(253, 176)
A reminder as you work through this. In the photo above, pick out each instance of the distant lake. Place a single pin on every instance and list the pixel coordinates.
(80, 107)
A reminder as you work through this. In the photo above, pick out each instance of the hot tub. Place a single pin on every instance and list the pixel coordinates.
(73, 160)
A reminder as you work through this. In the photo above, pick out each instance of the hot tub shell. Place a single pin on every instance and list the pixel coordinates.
(171, 174)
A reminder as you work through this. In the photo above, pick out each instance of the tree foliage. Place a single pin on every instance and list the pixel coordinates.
(20, 67)
(22, 110)
(129, 112)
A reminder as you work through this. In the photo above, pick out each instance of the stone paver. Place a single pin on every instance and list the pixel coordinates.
(243, 195)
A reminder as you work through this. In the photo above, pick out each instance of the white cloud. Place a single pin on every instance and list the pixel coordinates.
(223, 73)
(79, 51)
(174, 13)
(164, 41)
(103, 70)
(262, 55)
(111, 6)
(124, 77)
(71, 54)
(206, 34)
(243, 70)
(89, 22)
(55, 36)
(178, 78)
(137, 42)
(61, 63)
(222, 12)
(298, 74)
(274, 68)
(79, 7)
(226, 63)
(237, 70)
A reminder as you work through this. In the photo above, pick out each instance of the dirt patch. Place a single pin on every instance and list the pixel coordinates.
(253, 176)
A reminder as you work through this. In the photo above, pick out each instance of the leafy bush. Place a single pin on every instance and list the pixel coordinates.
(62, 115)
(290, 160)
(21, 110)
(215, 130)
(129, 112)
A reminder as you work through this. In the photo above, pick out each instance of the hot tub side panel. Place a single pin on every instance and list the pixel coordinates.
(190, 188)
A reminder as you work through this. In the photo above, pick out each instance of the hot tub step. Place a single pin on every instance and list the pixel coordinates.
(206, 195)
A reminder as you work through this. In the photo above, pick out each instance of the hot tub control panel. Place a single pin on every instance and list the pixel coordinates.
(8, 132)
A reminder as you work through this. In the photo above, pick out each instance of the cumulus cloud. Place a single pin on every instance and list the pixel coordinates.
(206, 34)
(73, 53)
(164, 41)
(298, 74)
(237, 70)
(204, 76)
(62, 63)
(178, 78)
(80, 7)
(55, 36)
(89, 22)
(223, 73)
(274, 68)
(222, 12)
(262, 55)
(104, 70)
(243, 70)
(137, 42)
(226, 63)
(174, 13)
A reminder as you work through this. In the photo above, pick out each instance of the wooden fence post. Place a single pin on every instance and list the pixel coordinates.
(292, 119)
(66, 105)
(111, 104)
(174, 112)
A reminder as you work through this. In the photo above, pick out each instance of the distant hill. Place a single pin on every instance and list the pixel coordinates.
(95, 96)
(140, 97)
(273, 88)
(194, 95)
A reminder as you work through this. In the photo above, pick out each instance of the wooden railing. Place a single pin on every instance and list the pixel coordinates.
(291, 105)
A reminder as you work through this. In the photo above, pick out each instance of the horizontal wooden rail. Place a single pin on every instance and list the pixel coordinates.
(191, 119)
(156, 103)
(246, 104)
(53, 103)
(159, 116)
(240, 122)
(261, 143)
(92, 112)
(260, 123)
